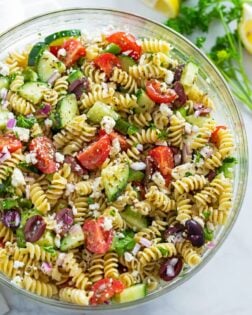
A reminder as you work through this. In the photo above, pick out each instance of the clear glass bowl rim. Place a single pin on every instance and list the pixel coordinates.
(232, 104)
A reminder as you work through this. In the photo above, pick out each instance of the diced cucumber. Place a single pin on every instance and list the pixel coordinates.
(135, 176)
(124, 127)
(132, 293)
(73, 239)
(99, 110)
(4, 117)
(56, 39)
(66, 110)
(145, 104)
(47, 239)
(189, 74)
(198, 121)
(35, 53)
(126, 62)
(4, 82)
(48, 64)
(134, 219)
(182, 111)
(115, 179)
(32, 91)
(75, 75)
(29, 75)
(113, 49)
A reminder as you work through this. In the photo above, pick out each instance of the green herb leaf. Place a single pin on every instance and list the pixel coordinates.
(127, 243)
(208, 234)
(7, 204)
(206, 214)
(200, 41)
(50, 249)
(26, 122)
(187, 174)
(163, 251)
(132, 130)
(90, 200)
(227, 166)
(21, 243)
(163, 135)
(27, 167)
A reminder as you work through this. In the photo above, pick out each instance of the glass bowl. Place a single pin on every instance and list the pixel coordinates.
(93, 21)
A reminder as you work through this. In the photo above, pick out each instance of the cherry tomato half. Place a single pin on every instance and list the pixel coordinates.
(74, 51)
(153, 89)
(106, 62)
(214, 136)
(127, 42)
(11, 142)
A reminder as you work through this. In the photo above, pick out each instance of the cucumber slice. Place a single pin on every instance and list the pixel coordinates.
(133, 293)
(144, 102)
(47, 65)
(126, 62)
(56, 39)
(115, 179)
(73, 239)
(189, 74)
(198, 121)
(75, 75)
(4, 82)
(99, 110)
(66, 110)
(134, 219)
(29, 75)
(135, 176)
(47, 239)
(122, 126)
(4, 117)
(32, 91)
(113, 49)
(35, 53)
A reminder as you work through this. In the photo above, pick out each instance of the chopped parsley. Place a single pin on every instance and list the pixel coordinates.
(124, 244)
(25, 122)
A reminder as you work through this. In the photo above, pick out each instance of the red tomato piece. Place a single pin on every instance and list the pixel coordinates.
(45, 154)
(54, 50)
(114, 135)
(153, 89)
(127, 42)
(106, 62)
(163, 159)
(1, 243)
(95, 154)
(105, 289)
(98, 240)
(214, 136)
(74, 50)
(11, 142)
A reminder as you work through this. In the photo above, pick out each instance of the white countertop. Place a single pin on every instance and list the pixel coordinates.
(224, 286)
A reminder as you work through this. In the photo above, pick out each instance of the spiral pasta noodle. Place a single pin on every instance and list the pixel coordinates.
(19, 105)
(70, 295)
(154, 45)
(124, 79)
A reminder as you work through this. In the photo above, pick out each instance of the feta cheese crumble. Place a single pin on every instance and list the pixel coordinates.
(62, 52)
(4, 69)
(48, 123)
(169, 77)
(116, 148)
(70, 188)
(138, 166)
(107, 123)
(30, 158)
(158, 179)
(17, 178)
(107, 225)
(128, 256)
(18, 264)
(94, 206)
(59, 157)
(17, 281)
(165, 110)
(23, 133)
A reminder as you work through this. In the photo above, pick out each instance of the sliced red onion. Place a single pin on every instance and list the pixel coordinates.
(197, 106)
(5, 104)
(11, 123)
(145, 242)
(78, 87)
(46, 267)
(136, 249)
(4, 155)
(186, 153)
(177, 159)
(211, 245)
(202, 111)
(45, 110)
(3, 94)
(11, 218)
(55, 75)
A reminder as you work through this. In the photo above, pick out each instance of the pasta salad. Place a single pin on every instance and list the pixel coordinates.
(114, 176)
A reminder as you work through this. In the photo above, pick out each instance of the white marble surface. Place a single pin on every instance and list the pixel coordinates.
(224, 286)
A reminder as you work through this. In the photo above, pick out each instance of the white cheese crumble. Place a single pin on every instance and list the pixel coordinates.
(62, 52)
(188, 128)
(158, 179)
(165, 110)
(59, 157)
(48, 122)
(31, 158)
(4, 69)
(128, 256)
(169, 77)
(96, 188)
(139, 147)
(57, 240)
(162, 143)
(116, 148)
(74, 209)
(96, 213)
(3, 94)
(138, 166)
(206, 152)
(70, 188)
(17, 178)
(18, 264)
(195, 129)
(23, 133)
(94, 206)
(135, 273)
(107, 225)
(107, 123)
(17, 281)
(180, 171)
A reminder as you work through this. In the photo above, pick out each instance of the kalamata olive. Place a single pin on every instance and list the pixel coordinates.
(34, 228)
(11, 218)
(195, 233)
(65, 220)
(171, 268)
(149, 170)
(78, 87)
(75, 166)
(181, 99)
(178, 72)
(211, 175)
(173, 230)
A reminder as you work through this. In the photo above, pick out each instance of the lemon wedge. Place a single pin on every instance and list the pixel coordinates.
(245, 27)
(170, 8)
